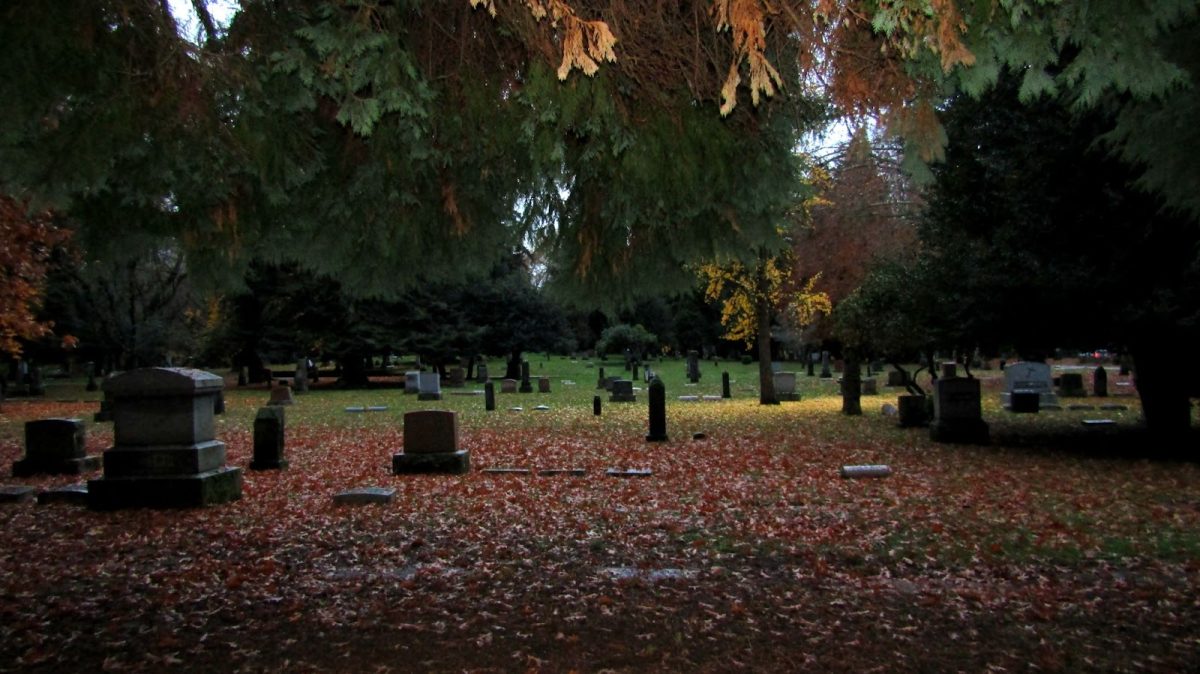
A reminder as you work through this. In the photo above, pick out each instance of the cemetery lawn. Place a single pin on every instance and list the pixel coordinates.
(1057, 547)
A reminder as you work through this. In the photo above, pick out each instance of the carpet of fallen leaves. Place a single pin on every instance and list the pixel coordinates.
(744, 550)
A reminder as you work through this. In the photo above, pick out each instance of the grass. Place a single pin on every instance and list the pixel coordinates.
(1040, 550)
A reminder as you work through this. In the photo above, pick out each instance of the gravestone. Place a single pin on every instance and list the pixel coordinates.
(913, 411)
(105, 412)
(543, 384)
(219, 403)
(429, 386)
(268, 439)
(897, 378)
(725, 392)
(241, 376)
(300, 379)
(526, 385)
(431, 444)
(957, 412)
(481, 373)
(825, 373)
(949, 370)
(1100, 382)
(412, 381)
(785, 386)
(649, 375)
(1071, 385)
(456, 377)
(1029, 377)
(657, 395)
(622, 392)
(55, 447)
(693, 367)
(1025, 402)
(489, 397)
(596, 405)
(91, 377)
(600, 380)
(165, 453)
(634, 375)
(869, 387)
(508, 385)
(280, 395)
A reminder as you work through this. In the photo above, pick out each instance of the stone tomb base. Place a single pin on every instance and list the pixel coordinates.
(959, 431)
(439, 462)
(221, 485)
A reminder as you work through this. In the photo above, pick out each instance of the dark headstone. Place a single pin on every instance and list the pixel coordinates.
(634, 376)
(526, 385)
(657, 395)
(241, 376)
(622, 392)
(912, 411)
(543, 384)
(693, 366)
(949, 370)
(269, 439)
(1100, 382)
(596, 405)
(431, 444)
(219, 403)
(957, 412)
(166, 454)
(869, 387)
(489, 397)
(725, 392)
(825, 373)
(1071, 385)
(600, 380)
(508, 385)
(55, 447)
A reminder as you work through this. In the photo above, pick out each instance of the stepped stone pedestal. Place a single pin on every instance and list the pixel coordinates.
(166, 454)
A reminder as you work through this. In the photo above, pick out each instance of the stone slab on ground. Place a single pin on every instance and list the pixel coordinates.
(365, 496)
(1079, 407)
(1098, 422)
(221, 485)
(576, 472)
(876, 470)
(506, 471)
(74, 494)
(455, 463)
(16, 493)
(628, 472)
(1113, 408)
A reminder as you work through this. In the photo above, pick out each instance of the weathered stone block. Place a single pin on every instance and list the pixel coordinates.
(222, 485)
(163, 406)
(453, 462)
(365, 496)
(163, 460)
(269, 439)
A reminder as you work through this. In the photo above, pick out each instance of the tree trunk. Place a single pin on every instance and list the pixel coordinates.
(1163, 388)
(766, 377)
(851, 385)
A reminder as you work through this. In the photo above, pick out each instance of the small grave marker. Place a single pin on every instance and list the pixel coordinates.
(74, 494)
(16, 493)
(876, 470)
(365, 496)
(575, 472)
(628, 472)
(1099, 422)
(506, 471)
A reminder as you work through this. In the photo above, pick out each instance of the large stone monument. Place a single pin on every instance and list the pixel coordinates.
(55, 447)
(431, 444)
(165, 453)
(957, 412)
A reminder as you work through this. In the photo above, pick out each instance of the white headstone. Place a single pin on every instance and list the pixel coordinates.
(412, 381)
(1029, 378)
(429, 386)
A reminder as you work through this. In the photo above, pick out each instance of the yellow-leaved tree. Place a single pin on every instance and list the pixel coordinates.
(753, 296)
